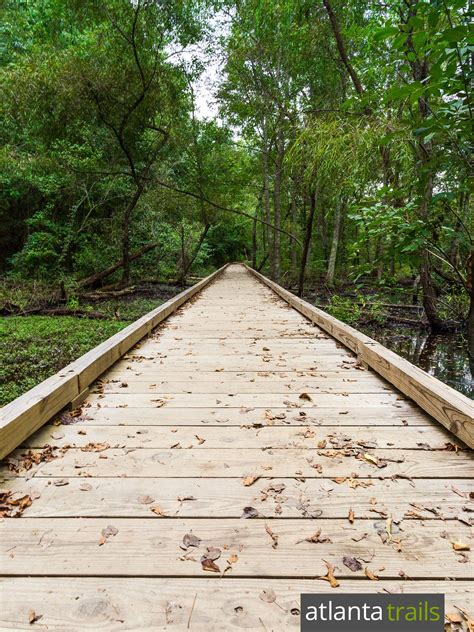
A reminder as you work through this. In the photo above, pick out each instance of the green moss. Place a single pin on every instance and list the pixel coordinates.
(34, 347)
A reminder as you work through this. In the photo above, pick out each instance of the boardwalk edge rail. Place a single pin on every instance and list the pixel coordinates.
(452, 409)
(27, 413)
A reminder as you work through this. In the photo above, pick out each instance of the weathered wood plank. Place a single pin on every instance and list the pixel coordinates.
(271, 497)
(407, 414)
(152, 547)
(214, 384)
(76, 604)
(81, 434)
(235, 462)
(236, 400)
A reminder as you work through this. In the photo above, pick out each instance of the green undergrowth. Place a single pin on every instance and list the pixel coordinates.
(120, 309)
(32, 348)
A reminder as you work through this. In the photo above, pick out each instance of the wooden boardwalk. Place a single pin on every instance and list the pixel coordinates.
(221, 468)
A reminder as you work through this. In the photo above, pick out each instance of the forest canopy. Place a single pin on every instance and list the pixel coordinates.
(339, 147)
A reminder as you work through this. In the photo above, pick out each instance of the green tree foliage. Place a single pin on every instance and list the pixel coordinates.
(341, 150)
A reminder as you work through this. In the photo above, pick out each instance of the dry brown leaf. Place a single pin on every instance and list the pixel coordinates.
(157, 510)
(460, 546)
(95, 447)
(210, 565)
(33, 617)
(273, 536)
(329, 577)
(370, 574)
(352, 563)
(305, 397)
(211, 553)
(375, 460)
(190, 540)
(250, 512)
(250, 480)
(316, 539)
(351, 515)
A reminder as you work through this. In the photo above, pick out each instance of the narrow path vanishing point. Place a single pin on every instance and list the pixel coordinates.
(244, 429)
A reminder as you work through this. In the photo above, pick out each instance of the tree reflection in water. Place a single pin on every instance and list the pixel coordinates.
(445, 356)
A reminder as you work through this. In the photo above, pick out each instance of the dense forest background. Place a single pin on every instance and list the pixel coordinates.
(335, 155)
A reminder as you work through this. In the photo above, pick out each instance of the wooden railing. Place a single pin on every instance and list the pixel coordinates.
(451, 408)
(27, 413)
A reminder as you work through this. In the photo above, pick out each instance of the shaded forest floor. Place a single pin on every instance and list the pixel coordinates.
(33, 347)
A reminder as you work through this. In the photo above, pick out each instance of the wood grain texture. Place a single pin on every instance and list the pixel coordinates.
(76, 604)
(244, 436)
(237, 462)
(422, 549)
(271, 497)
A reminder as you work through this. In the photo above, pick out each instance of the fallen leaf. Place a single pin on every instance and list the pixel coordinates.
(190, 540)
(305, 397)
(157, 510)
(145, 500)
(316, 539)
(351, 515)
(375, 460)
(267, 595)
(85, 487)
(460, 546)
(250, 512)
(352, 563)
(329, 577)
(211, 553)
(250, 480)
(95, 447)
(33, 617)
(108, 532)
(273, 536)
(210, 565)
(370, 574)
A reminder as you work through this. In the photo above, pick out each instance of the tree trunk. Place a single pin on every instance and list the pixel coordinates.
(275, 259)
(429, 293)
(266, 192)
(182, 263)
(470, 319)
(187, 265)
(254, 241)
(331, 271)
(292, 244)
(306, 243)
(98, 276)
(126, 232)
